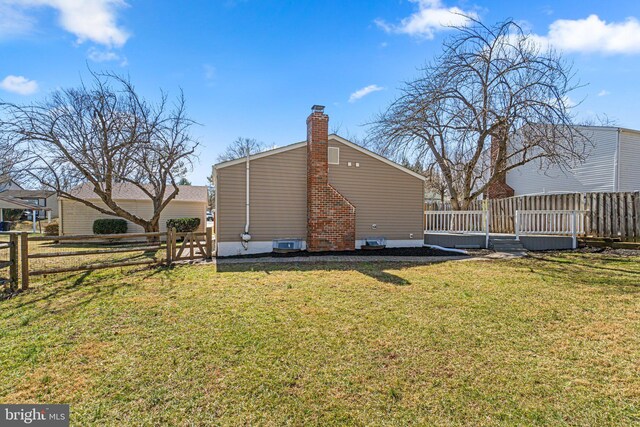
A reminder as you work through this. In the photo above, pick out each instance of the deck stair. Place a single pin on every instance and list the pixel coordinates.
(506, 244)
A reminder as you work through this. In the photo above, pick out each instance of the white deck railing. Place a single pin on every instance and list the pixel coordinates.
(554, 223)
(469, 222)
(526, 222)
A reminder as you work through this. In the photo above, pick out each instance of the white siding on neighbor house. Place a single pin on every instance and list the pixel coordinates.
(78, 218)
(595, 174)
(629, 161)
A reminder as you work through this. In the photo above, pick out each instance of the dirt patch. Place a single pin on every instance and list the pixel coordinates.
(419, 251)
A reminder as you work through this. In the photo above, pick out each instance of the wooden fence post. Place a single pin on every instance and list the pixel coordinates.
(174, 238)
(168, 246)
(13, 257)
(24, 259)
(209, 242)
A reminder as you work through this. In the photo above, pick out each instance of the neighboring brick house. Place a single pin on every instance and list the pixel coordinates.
(326, 192)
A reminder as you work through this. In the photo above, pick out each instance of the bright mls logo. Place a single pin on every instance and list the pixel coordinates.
(34, 415)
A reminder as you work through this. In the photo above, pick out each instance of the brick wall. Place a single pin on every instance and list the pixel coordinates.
(331, 218)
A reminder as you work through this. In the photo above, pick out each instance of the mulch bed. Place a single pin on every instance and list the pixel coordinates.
(377, 252)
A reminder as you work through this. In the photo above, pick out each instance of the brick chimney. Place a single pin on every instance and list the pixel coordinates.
(331, 218)
(499, 189)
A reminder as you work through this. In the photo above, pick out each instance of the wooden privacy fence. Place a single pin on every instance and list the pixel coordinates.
(606, 215)
(41, 255)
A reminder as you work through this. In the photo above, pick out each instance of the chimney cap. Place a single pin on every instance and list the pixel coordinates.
(318, 108)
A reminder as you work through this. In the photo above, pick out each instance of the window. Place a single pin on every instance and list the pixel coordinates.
(334, 156)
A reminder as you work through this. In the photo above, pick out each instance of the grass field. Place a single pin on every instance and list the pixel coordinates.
(548, 341)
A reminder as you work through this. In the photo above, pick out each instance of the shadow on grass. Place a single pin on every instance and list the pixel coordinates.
(77, 290)
(590, 265)
(585, 271)
(376, 270)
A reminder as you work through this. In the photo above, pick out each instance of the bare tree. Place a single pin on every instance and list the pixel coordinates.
(241, 147)
(435, 183)
(211, 192)
(9, 159)
(104, 135)
(489, 83)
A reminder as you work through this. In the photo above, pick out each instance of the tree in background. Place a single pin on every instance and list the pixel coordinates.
(104, 134)
(9, 159)
(184, 181)
(241, 147)
(489, 83)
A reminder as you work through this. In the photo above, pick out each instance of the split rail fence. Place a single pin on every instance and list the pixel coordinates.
(35, 255)
(604, 215)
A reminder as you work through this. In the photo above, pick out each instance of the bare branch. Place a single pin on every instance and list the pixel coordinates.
(488, 81)
(101, 134)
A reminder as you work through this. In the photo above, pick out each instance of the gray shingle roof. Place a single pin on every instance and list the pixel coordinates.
(124, 191)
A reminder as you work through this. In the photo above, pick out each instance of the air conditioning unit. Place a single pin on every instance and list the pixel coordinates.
(287, 245)
(374, 243)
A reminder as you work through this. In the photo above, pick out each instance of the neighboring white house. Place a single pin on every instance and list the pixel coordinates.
(77, 218)
(612, 165)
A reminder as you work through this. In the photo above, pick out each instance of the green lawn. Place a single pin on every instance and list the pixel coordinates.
(554, 340)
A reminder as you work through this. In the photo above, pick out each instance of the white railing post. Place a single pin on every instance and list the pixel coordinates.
(516, 224)
(574, 239)
(486, 229)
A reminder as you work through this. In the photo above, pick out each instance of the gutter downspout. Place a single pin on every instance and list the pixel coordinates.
(246, 225)
(246, 237)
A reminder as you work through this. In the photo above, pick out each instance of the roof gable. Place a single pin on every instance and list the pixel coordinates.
(333, 137)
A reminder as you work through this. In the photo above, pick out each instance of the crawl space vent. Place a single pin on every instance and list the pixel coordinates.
(287, 245)
(374, 243)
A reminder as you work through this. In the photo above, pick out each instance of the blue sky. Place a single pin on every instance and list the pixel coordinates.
(253, 68)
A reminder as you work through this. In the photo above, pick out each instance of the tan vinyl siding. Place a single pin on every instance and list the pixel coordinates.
(78, 218)
(52, 203)
(382, 194)
(278, 198)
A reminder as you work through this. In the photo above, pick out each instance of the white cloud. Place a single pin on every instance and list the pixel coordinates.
(594, 35)
(88, 20)
(361, 93)
(98, 55)
(431, 16)
(209, 71)
(604, 92)
(19, 84)
(13, 22)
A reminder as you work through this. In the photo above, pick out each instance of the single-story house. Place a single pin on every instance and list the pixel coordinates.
(77, 218)
(325, 194)
(44, 198)
(611, 166)
(7, 202)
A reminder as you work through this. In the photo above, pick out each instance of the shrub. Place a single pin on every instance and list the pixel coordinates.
(13, 214)
(183, 225)
(52, 229)
(109, 226)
